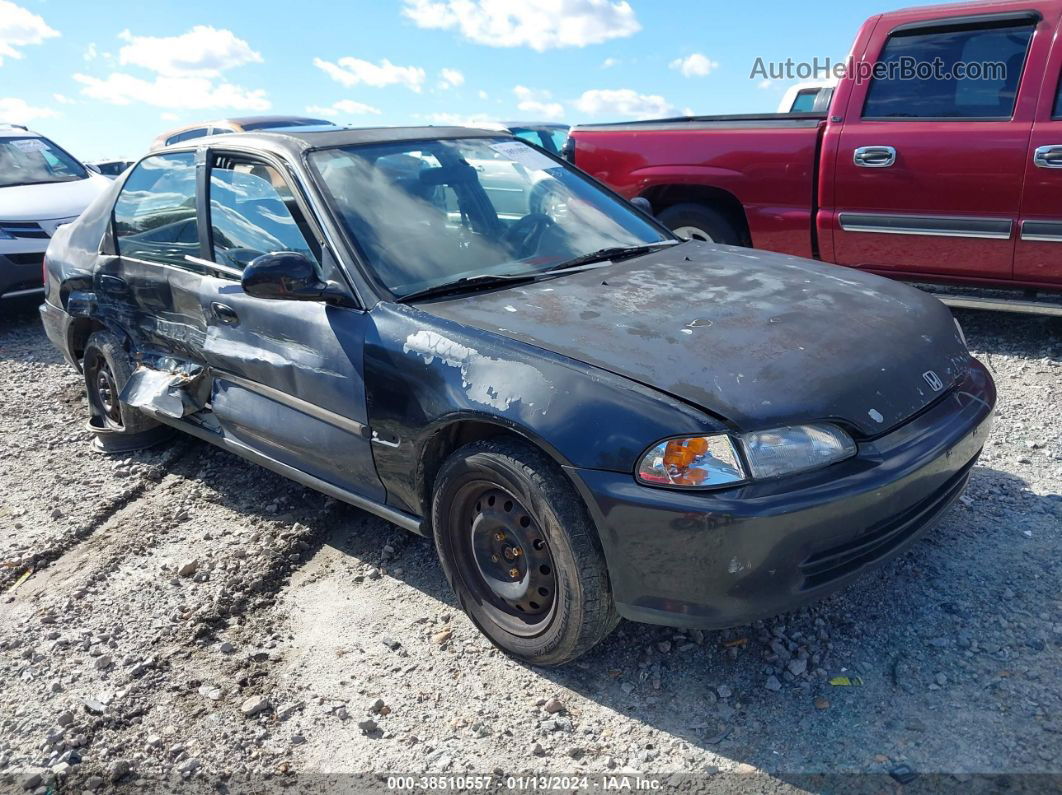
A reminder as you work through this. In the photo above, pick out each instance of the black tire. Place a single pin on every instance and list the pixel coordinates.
(712, 225)
(107, 367)
(506, 496)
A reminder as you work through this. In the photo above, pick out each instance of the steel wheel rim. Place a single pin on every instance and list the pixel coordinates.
(107, 392)
(693, 233)
(504, 558)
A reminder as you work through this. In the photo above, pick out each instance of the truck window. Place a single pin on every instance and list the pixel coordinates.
(805, 101)
(957, 73)
(1058, 101)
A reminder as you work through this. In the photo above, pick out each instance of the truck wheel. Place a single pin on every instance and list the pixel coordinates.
(518, 548)
(119, 428)
(698, 222)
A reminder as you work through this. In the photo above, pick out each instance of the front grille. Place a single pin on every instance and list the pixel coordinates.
(24, 229)
(33, 258)
(882, 538)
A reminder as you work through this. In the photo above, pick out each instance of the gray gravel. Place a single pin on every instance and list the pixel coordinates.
(193, 618)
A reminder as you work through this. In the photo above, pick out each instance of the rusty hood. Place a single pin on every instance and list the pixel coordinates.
(758, 338)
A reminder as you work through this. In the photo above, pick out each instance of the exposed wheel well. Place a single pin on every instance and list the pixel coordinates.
(449, 439)
(664, 196)
(80, 332)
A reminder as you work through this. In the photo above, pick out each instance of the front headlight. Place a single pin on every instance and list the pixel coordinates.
(707, 461)
(795, 448)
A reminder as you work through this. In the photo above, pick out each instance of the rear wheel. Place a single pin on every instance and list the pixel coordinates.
(699, 222)
(521, 554)
(118, 427)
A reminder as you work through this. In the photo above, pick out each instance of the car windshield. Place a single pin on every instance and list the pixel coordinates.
(31, 160)
(429, 213)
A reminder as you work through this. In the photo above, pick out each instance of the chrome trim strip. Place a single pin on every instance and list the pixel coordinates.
(226, 269)
(23, 293)
(1042, 231)
(1000, 304)
(312, 409)
(927, 225)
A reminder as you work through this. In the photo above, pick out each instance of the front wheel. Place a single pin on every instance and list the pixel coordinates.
(520, 552)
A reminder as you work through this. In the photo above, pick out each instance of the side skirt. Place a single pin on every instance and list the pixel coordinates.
(189, 425)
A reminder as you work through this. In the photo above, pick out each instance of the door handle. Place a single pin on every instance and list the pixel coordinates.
(225, 314)
(874, 156)
(114, 285)
(1048, 156)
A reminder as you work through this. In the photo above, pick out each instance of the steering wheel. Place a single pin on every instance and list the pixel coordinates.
(523, 237)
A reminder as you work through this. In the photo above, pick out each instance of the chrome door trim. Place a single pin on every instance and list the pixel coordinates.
(1042, 155)
(874, 156)
(928, 225)
(312, 409)
(1042, 231)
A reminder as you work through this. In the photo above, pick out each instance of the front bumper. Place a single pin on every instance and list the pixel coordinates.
(725, 558)
(20, 273)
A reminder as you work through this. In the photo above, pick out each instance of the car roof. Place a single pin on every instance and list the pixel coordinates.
(297, 141)
(16, 131)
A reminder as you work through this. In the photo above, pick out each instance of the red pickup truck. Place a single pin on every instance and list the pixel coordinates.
(929, 174)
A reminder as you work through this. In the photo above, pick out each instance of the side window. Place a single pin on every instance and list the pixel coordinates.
(154, 216)
(957, 73)
(1058, 101)
(805, 100)
(253, 212)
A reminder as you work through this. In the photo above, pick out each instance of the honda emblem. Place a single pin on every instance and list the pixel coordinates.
(933, 380)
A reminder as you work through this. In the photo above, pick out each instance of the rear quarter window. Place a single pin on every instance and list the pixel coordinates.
(155, 213)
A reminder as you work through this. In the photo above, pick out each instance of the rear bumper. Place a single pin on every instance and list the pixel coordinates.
(720, 559)
(57, 324)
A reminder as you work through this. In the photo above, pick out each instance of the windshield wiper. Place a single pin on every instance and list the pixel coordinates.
(479, 281)
(613, 254)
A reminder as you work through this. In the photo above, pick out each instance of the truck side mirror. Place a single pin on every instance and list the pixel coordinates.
(642, 204)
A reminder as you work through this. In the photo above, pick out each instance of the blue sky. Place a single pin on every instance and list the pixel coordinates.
(104, 79)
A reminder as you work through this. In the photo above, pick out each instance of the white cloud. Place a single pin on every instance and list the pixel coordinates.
(90, 52)
(450, 78)
(622, 102)
(538, 24)
(63, 99)
(765, 84)
(483, 94)
(20, 28)
(192, 93)
(201, 52)
(343, 107)
(169, 116)
(608, 63)
(18, 111)
(695, 65)
(537, 103)
(350, 71)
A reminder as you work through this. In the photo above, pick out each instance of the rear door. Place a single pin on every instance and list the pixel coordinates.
(931, 155)
(287, 375)
(1039, 248)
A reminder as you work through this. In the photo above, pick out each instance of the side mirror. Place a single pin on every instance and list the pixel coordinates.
(285, 275)
(642, 204)
(94, 168)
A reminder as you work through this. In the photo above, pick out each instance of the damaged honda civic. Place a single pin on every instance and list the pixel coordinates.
(461, 333)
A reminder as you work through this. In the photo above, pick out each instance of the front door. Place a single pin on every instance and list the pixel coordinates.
(929, 165)
(287, 375)
(1039, 252)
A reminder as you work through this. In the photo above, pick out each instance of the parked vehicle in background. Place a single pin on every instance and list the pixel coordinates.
(42, 187)
(551, 136)
(110, 168)
(934, 178)
(591, 417)
(809, 96)
(203, 129)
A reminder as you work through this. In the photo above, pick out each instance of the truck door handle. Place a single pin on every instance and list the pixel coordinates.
(1048, 156)
(225, 314)
(114, 285)
(874, 156)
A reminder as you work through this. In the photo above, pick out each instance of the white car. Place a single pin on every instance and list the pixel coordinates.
(42, 187)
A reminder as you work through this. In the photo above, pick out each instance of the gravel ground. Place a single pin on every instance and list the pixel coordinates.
(191, 617)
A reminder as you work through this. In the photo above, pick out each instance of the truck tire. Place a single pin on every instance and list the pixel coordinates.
(519, 549)
(119, 428)
(700, 222)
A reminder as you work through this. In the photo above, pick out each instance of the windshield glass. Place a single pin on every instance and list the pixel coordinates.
(31, 160)
(427, 213)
